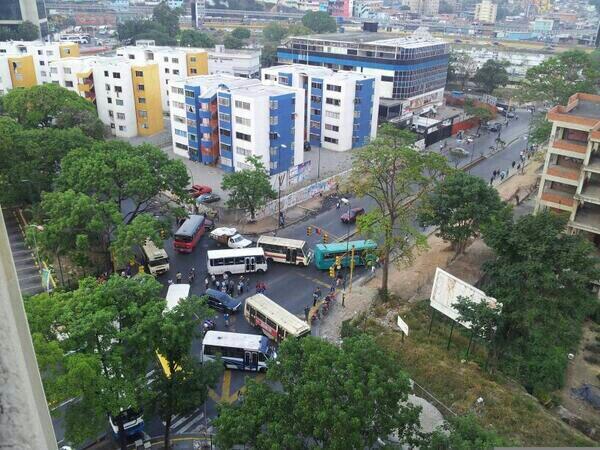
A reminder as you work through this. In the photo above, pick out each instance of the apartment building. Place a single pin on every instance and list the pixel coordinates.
(239, 62)
(128, 96)
(570, 180)
(486, 11)
(335, 103)
(26, 64)
(173, 63)
(75, 74)
(223, 119)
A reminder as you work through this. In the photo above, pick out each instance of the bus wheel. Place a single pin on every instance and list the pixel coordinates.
(228, 274)
(301, 264)
(269, 260)
(260, 271)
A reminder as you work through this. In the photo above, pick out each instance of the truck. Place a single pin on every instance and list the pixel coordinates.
(230, 237)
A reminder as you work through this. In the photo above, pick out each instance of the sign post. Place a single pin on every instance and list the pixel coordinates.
(403, 327)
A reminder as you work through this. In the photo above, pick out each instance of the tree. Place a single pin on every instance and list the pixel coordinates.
(27, 31)
(461, 68)
(274, 32)
(458, 205)
(49, 105)
(232, 42)
(319, 22)
(249, 189)
(561, 76)
(268, 55)
(463, 433)
(482, 113)
(185, 385)
(540, 278)
(193, 38)
(541, 129)
(241, 33)
(392, 172)
(491, 75)
(329, 397)
(167, 17)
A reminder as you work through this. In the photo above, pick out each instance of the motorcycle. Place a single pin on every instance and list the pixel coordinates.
(208, 325)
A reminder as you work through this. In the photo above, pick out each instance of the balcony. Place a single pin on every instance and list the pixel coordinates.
(573, 149)
(587, 219)
(563, 174)
(594, 164)
(590, 191)
(558, 199)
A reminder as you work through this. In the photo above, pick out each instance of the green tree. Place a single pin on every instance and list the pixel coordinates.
(167, 17)
(392, 172)
(193, 38)
(541, 129)
(49, 105)
(232, 42)
(241, 33)
(461, 68)
(491, 75)
(133, 235)
(329, 397)
(27, 31)
(319, 22)
(268, 55)
(482, 113)
(463, 433)
(185, 385)
(458, 205)
(540, 277)
(249, 189)
(561, 76)
(274, 32)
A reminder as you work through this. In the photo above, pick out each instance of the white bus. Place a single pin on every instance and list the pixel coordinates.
(289, 251)
(237, 350)
(155, 258)
(238, 260)
(275, 321)
(176, 293)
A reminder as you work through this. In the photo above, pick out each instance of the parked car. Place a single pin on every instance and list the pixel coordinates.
(495, 127)
(208, 198)
(351, 217)
(459, 151)
(222, 302)
(198, 189)
(230, 237)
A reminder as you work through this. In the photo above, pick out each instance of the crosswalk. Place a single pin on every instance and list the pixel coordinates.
(191, 423)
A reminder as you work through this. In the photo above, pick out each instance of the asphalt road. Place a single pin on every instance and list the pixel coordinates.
(291, 286)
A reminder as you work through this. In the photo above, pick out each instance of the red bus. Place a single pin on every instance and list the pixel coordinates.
(189, 233)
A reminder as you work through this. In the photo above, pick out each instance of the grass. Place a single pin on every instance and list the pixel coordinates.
(458, 383)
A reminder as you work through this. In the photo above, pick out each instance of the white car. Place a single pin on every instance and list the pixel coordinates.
(230, 237)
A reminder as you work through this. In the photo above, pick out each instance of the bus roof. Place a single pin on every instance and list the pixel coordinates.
(255, 342)
(249, 251)
(282, 316)
(190, 226)
(176, 293)
(342, 246)
(285, 242)
(152, 251)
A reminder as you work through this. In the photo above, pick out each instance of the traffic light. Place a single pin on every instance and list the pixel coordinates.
(163, 234)
(338, 262)
(308, 231)
(325, 238)
(332, 272)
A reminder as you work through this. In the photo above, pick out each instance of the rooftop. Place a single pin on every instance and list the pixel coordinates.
(587, 108)
(582, 109)
(383, 39)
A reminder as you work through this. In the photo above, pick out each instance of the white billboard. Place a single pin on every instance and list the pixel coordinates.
(447, 288)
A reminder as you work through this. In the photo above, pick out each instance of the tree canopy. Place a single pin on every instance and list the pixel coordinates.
(162, 28)
(167, 17)
(241, 33)
(319, 22)
(491, 75)
(459, 205)
(463, 433)
(461, 68)
(249, 189)
(329, 397)
(25, 31)
(232, 42)
(194, 38)
(392, 172)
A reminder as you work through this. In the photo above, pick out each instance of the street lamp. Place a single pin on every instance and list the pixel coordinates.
(37, 253)
(345, 201)
(281, 179)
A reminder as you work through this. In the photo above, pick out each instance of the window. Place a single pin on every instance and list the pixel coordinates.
(53, 70)
(332, 115)
(243, 136)
(40, 52)
(242, 105)
(193, 71)
(112, 125)
(243, 151)
(316, 85)
(145, 125)
(224, 101)
(167, 70)
(356, 114)
(121, 127)
(315, 124)
(283, 80)
(206, 136)
(330, 127)
(121, 116)
(273, 120)
(117, 75)
(176, 90)
(179, 119)
(386, 78)
(315, 112)
(242, 121)
(191, 123)
(225, 147)
(69, 84)
(109, 100)
(358, 87)
(166, 59)
(357, 101)
(191, 109)
(181, 133)
(118, 89)
(224, 117)
(330, 140)
(42, 63)
(143, 113)
(315, 99)
(175, 60)
(181, 146)
(175, 72)
(274, 104)
(67, 70)
(178, 105)
(273, 165)
(107, 87)
(43, 73)
(224, 132)
(119, 102)
(131, 56)
(333, 101)
(142, 100)
(273, 136)
(192, 59)
(140, 87)
(334, 88)
(106, 73)
(193, 137)
(272, 152)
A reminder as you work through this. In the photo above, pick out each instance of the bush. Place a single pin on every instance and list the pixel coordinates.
(349, 329)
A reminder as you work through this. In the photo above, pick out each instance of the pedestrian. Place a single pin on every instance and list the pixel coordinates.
(178, 277)
(128, 271)
(518, 166)
(218, 285)
(491, 180)
(263, 286)
(338, 205)
(513, 164)
(206, 283)
(231, 287)
(226, 317)
(315, 298)
(258, 286)
(306, 312)
(343, 299)
(123, 274)
(281, 220)
(332, 288)
(502, 175)
(192, 275)
(169, 282)
(373, 267)
(225, 276)
(224, 287)
(240, 288)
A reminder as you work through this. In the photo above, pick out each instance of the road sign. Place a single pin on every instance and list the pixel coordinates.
(403, 326)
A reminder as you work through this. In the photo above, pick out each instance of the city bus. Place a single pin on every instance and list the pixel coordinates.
(237, 350)
(189, 233)
(155, 258)
(275, 321)
(364, 253)
(236, 260)
(288, 251)
(133, 423)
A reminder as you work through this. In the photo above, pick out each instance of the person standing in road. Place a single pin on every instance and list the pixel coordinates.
(306, 312)
(206, 283)
(225, 276)
(513, 164)
(192, 275)
(315, 298)
(178, 277)
(213, 279)
(226, 317)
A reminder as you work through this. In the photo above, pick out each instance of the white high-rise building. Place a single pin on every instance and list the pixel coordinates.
(486, 12)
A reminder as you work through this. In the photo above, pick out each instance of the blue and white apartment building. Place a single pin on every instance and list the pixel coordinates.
(410, 70)
(222, 119)
(340, 107)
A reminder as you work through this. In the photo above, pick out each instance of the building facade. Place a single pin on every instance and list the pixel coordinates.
(75, 74)
(486, 11)
(243, 63)
(410, 71)
(570, 180)
(335, 103)
(424, 7)
(15, 12)
(220, 119)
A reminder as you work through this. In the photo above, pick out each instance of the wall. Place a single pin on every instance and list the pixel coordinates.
(464, 125)
(24, 75)
(153, 123)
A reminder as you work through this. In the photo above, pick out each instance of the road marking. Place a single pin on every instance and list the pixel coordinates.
(323, 230)
(179, 421)
(193, 422)
(236, 395)
(315, 280)
(226, 386)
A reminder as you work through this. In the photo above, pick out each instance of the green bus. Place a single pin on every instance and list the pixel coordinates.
(364, 252)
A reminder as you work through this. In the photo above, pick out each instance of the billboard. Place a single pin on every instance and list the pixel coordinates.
(447, 288)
